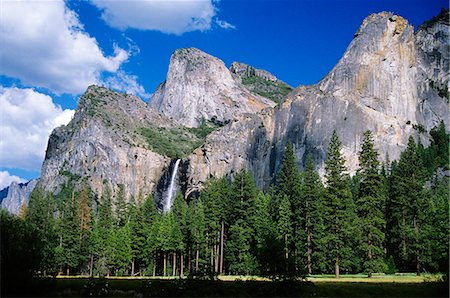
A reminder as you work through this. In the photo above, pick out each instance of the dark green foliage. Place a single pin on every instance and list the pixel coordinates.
(40, 216)
(176, 142)
(273, 90)
(21, 249)
(289, 185)
(370, 207)
(313, 195)
(442, 89)
(339, 217)
(120, 211)
(409, 210)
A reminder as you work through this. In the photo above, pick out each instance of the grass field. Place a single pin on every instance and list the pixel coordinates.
(233, 286)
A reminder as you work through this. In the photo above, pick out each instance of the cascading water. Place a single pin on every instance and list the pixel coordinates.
(171, 190)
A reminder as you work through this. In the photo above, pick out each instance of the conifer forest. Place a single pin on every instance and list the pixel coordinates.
(389, 217)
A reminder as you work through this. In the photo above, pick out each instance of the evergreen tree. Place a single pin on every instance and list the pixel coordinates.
(103, 233)
(85, 216)
(439, 233)
(313, 193)
(40, 216)
(121, 207)
(370, 207)
(339, 219)
(122, 251)
(266, 237)
(238, 255)
(69, 234)
(289, 184)
(138, 236)
(243, 197)
(407, 197)
(197, 232)
(285, 229)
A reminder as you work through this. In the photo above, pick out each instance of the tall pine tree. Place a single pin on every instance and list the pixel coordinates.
(370, 207)
(339, 220)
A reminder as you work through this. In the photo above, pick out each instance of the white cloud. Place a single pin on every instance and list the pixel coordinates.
(44, 44)
(128, 83)
(167, 16)
(224, 24)
(6, 179)
(27, 119)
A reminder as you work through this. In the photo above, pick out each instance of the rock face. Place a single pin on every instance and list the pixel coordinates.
(200, 87)
(102, 145)
(390, 80)
(379, 84)
(16, 195)
(433, 49)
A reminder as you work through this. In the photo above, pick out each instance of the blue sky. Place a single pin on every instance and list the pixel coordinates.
(52, 50)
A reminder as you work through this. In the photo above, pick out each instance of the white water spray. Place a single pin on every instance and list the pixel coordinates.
(171, 190)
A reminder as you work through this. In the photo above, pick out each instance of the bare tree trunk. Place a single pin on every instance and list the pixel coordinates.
(196, 260)
(181, 265)
(189, 260)
(154, 269)
(418, 267)
(416, 230)
(132, 267)
(174, 263)
(68, 271)
(369, 255)
(285, 246)
(309, 245)
(212, 257)
(164, 264)
(91, 265)
(336, 270)
(221, 249)
(216, 261)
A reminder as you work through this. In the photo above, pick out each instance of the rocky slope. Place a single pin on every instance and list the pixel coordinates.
(102, 144)
(200, 87)
(16, 195)
(260, 81)
(390, 80)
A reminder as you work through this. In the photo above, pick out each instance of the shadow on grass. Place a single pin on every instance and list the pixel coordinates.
(85, 287)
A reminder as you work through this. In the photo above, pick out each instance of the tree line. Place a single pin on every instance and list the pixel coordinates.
(388, 217)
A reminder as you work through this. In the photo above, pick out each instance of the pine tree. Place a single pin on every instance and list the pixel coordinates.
(138, 236)
(103, 233)
(122, 251)
(266, 236)
(238, 255)
(370, 207)
(69, 234)
(289, 184)
(313, 208)
(180, 229)
(439, 233)
(85, 216)
(40, 216)
(339, 207)
(406, 198)
(285, 230)
(243, 197)
(197, 231)
(121, 207)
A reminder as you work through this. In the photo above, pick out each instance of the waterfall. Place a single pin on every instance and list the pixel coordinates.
(171, 190)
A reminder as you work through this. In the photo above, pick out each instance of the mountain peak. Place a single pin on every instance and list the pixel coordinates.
(200, 87)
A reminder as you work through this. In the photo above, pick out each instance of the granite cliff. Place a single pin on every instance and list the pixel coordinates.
(391, 80)
(200, 87)
(16, 195)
